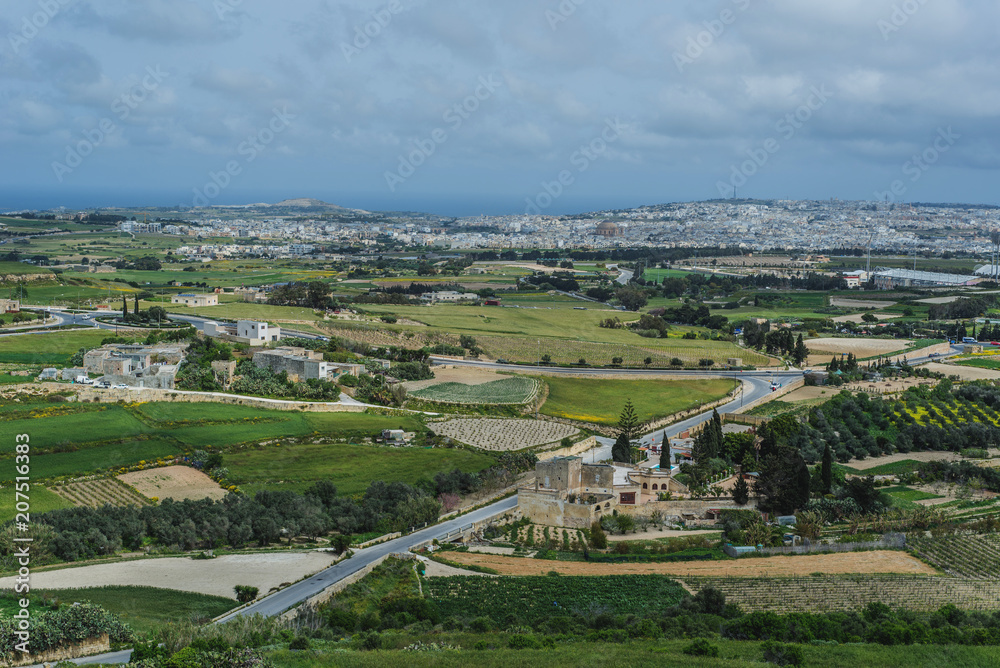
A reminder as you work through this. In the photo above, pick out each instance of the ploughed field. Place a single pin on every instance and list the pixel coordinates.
(878, 561)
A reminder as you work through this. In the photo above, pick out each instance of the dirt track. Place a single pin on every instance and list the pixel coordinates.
(844, 562)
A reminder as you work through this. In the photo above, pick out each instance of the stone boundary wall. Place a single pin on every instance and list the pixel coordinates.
(377, 540)
(576, 449)
(691, 506)
(98, 645)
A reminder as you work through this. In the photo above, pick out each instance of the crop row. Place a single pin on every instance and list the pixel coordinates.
(528, 599)
(850, 592)
(965, 556)
(96, 493)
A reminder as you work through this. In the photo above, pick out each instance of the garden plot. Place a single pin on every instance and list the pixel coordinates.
(174, 482)
(503, 435)
(505, 391)
(96, 493)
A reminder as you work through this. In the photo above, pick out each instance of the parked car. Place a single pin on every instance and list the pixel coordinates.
(119, 386)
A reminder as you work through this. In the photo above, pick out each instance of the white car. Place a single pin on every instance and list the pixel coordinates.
(119, 386)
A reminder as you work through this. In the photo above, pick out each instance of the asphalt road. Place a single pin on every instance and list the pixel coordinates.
(288, 597)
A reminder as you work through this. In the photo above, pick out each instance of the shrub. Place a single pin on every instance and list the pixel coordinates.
(245, 593)
(783, 655)
(299, 642)
(701, 647)
(523, 641)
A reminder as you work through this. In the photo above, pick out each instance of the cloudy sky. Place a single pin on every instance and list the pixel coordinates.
(467, 106)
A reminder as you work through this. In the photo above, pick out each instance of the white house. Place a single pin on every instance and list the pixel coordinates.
(257, 331)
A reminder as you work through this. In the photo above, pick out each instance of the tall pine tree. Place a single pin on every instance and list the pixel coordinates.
(628, 429)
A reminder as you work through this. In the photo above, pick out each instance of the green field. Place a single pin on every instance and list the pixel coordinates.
(906, 497)
(980, 363)
(350, 467)
(147, 609)
(601, 401)
(893, 468)
(94, 424)
(507, 391)
(20, 269)
(48, 348)
(530, 599)
(632, 654)
(40, 499)
(89, 460)
(220, 425)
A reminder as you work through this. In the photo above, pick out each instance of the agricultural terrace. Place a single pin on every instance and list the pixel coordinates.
(823, 593)
(98, 492)
(499, 434)
(517, 390)
(976, 557)
(821, 350)
(55, 348)
(878, 561)
(600, 400)
(71, 439)
(562, 332)
(352, 468)
(42, 501)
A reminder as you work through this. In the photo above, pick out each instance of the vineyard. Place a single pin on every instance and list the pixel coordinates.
(826, 593)
(100, 491)
(962, 556)
(529, 599)
(503, 435)
(506, 391)
(564, 351)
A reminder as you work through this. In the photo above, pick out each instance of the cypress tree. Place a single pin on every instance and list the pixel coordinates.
(741, 491)
(826, 470)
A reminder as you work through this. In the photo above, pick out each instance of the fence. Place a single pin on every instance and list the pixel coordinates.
(895, 541)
